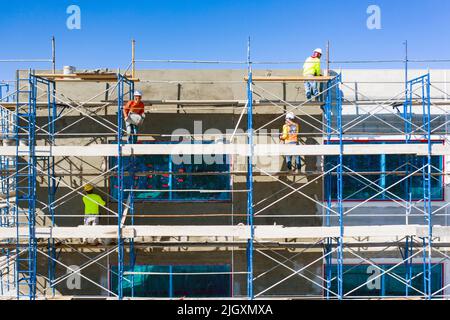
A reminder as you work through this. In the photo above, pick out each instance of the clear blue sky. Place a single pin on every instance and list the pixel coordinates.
(218, 29)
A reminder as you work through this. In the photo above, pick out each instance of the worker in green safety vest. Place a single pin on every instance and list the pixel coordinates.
(312, 69)
(91, 202)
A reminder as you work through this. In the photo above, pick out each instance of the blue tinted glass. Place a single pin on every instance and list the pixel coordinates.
(385, 171)
(172, 284)
(368, 281)
(167, 176)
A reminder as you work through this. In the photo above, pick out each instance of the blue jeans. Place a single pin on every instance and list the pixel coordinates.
(311, 88)
(289, 159)
(132, 131)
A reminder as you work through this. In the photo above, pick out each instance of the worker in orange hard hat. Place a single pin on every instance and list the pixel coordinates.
(312, 69)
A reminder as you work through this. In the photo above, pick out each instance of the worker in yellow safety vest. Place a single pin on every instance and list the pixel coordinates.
(312, 69)
(91, 202)
(290, 134)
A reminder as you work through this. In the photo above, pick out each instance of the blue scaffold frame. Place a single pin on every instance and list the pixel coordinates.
(7, 188)
(25, 185)
(250, 242)
(121, 203)
(333, 108)
(423, 83)
(49, 87)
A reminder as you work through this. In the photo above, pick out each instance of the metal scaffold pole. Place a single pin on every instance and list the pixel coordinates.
(130, 204)
(340, 191)
(26, 247)
(408, 119)
(250, 293)
(426, 109)
(7, 191)
(51, 179)
(407, 116)
(327, 190)
(123, 205)
(408, 252)
(334, 170)
(422, 83)
(120, 186)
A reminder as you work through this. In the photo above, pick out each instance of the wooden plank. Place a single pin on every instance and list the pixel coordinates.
(279, 232)
(262, 150)
(96, 77)
(110, 232)
(78, 75)
(291, 79)
(440, 232)
(185, 103)
(218, 233)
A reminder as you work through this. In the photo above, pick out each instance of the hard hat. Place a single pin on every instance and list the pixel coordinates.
(88, 187)
(318, 50)
(138, 93)
(290, 116)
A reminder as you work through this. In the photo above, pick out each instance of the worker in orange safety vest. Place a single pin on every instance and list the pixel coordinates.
(290, 134)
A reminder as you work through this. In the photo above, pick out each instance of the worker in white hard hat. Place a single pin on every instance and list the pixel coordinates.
(311, 69)
(134, 115)
(290, 135)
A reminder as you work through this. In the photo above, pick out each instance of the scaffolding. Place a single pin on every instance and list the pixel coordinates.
(23, 161)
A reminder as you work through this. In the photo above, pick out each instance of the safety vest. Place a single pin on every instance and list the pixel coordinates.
(312, 67)
(290, 133)
(91, 203)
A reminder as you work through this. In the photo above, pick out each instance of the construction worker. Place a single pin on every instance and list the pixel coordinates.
(92, 202)
(291, 130)
(134, 115)
(311, 69)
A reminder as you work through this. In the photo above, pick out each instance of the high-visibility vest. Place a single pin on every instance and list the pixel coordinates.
(290, 133)
(312, 67)
(91, 203)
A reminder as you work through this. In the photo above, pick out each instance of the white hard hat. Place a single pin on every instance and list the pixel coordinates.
(318, 50)
(138, 93)
(290, 116)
